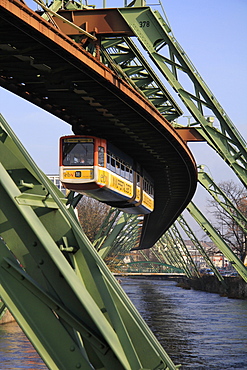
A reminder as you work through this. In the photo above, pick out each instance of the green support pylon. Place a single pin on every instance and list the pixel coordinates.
(54, 282)
(108, 246)
(164, 250)
(218, 241)
(184, 225)
(106, 227)
(170, 250)
(189, 260)
(155, 35)
(176, 249)
(129, 237)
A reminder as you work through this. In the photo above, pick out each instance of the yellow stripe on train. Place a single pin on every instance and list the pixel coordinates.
(78, 174)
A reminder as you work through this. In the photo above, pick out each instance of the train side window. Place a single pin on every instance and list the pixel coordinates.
(113, 164)
(131, 175)
(145, 186)
(108, 164)
(138, 179)
(117, 167)
(122, 170)
(101, 159)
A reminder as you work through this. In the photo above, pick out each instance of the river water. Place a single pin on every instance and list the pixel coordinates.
(199, 330)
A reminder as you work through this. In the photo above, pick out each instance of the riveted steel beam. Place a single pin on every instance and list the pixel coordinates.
(155, 35)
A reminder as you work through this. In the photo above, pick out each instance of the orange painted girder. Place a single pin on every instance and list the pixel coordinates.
(189, 134)
(101, 21)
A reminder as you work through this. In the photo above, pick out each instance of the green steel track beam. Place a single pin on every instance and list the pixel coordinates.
(218, 241)
(156, 37)
(54, 282)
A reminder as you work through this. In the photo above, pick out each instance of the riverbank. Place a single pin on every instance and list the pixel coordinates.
(231, 287)
(234, 287)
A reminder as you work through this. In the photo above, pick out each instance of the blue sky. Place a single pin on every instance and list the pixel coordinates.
(213, 35)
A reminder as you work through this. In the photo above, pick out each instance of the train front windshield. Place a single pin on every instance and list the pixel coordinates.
(79, 152)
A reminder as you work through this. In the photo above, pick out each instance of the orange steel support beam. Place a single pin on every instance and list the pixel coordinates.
(189, 134)
(105, 22)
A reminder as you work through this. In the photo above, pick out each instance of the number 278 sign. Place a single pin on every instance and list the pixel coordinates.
(144, 24)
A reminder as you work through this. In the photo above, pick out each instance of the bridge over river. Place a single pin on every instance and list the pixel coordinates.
(80, 64)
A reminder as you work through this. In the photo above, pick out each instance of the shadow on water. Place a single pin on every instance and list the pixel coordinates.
(197, 329)
(201, 331)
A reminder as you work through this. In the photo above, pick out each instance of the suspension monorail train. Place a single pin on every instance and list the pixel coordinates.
(93, 166)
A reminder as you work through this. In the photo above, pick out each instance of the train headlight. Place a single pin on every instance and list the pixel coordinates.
(77, 173)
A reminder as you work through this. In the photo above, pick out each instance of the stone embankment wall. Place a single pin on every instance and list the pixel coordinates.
(236, 286)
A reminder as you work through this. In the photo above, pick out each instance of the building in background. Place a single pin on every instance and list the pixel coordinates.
(57, 182)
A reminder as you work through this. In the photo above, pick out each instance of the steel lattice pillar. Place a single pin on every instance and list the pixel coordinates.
(55, 283)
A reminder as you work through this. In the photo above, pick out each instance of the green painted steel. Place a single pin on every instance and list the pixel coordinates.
(106, 227)
(169, 248)
(175, 246)
(132, 65)
(55, 283)
(119, 233)
(156, 37)
(154, 33)
(56, 5)
(164, 250)
(171, 268)
(189, 260)
(127, 240)
(196, 243)
(155, 267)
(3, 307)
(108, 246)
(216, 238)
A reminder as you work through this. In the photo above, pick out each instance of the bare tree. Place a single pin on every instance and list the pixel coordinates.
(91, 214)
(230, 230)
